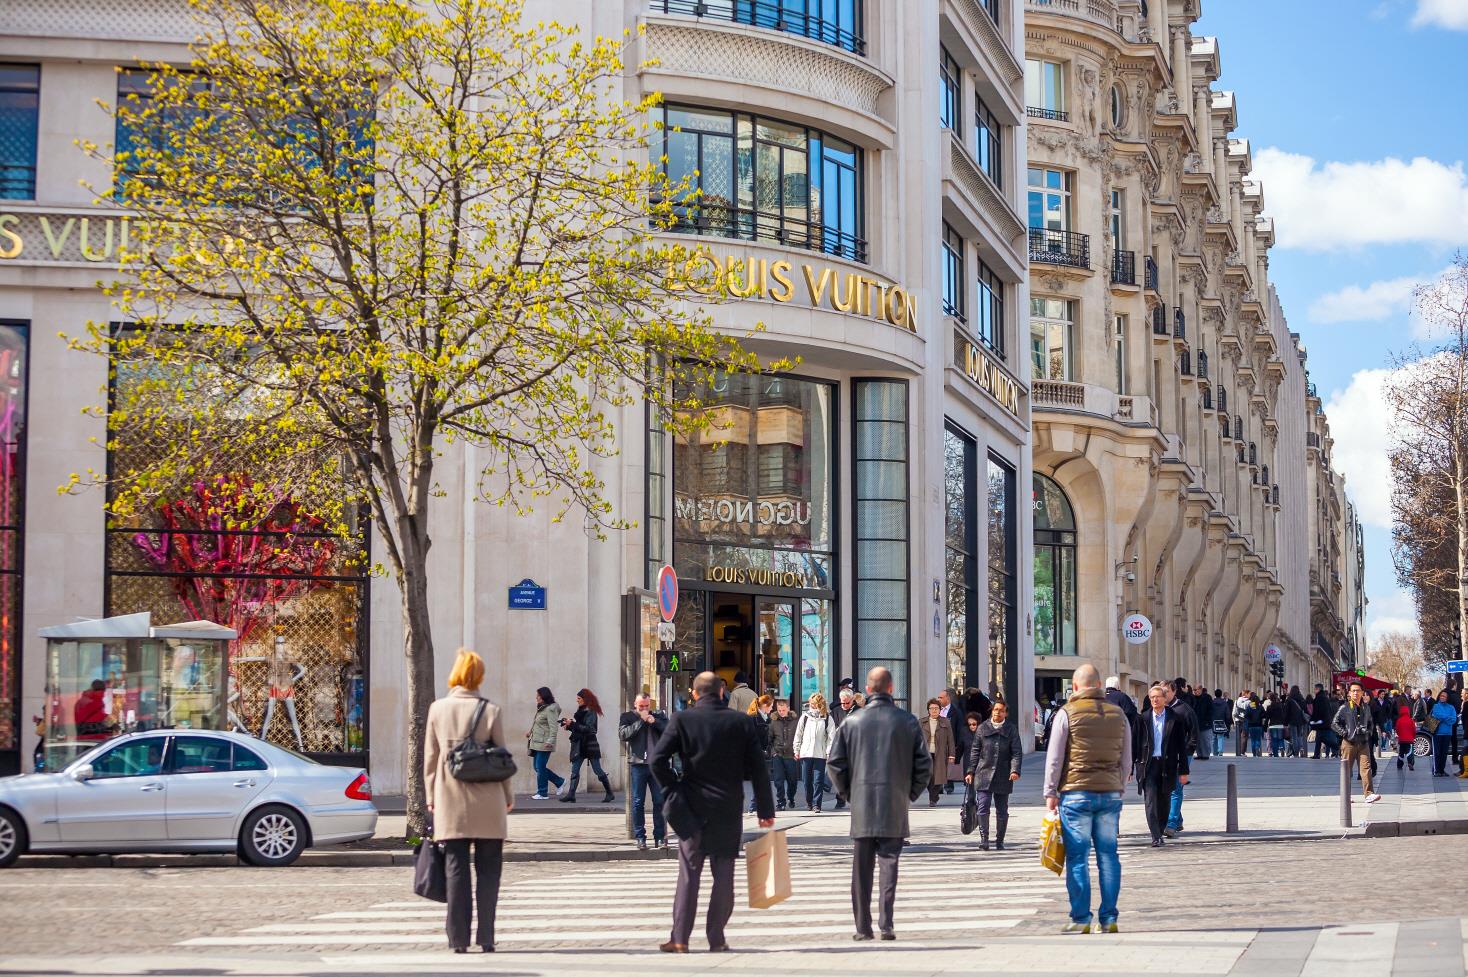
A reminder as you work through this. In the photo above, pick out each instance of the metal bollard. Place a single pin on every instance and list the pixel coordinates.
(1345, 793)
(1231, 810)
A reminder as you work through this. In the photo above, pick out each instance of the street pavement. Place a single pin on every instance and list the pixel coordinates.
(1244, 908)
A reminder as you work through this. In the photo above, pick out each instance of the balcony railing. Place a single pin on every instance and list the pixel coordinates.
(1203, 367)
(1101, 11)
(1052, 115)
(773, 15)
(1179, 324)
(1124, 268)
(1274, 495)
(1222, 398)
(1185, 364)
(1207, 398)
(1058, 393)
(1060, 248)
(1159, 321)
(1151, 271)
(750, 225)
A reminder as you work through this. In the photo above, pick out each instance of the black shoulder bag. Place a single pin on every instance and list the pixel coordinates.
(479, 763)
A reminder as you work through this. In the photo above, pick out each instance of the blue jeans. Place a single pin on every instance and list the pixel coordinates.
(813, 769)
(642, 782)
(1220, 743)
(543, 772)
(1276, 741)
(1256, 739)
(1087, 818)
(1175, 811)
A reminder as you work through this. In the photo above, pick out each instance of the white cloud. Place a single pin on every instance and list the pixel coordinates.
(1452, 14)
(1376, 301)
(1361, 425)
(1395, 612)
(1336, 205)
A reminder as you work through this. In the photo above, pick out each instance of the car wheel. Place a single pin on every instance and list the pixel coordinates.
(272, 836)
(1422, 745)
(12, 837)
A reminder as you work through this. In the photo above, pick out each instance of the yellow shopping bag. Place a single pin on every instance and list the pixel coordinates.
(767, 863)
(1052, 845)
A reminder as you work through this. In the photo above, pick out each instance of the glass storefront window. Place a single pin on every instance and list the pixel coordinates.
(20, 100)
(14, 346)
(960, 557)
(1055, 570)
(1002, 623)
(882, 619)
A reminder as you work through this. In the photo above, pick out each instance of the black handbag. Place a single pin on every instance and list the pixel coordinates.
(479, 763)
(968, 815)
(430, 879)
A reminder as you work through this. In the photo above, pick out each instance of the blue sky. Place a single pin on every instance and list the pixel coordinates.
(1355, 113)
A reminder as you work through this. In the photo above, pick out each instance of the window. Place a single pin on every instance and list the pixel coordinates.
(1045, 90)
(836, 22)
(989, 320)
(880, 463)
(758, 179)
(200, 754)
(1118, 219)
(1119, 342)
(1051, 323)
(135, 88)
(247, 759)
(1003, 670)
(135, 758)
(14, 385)
(1049, 203)
(20, 99)
(1118, 106)
(950, 105)
(960, 557)
(1055, 570)
(953, 283)
(988, 142)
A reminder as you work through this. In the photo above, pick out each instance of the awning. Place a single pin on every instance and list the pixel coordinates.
(1368, 683)
(136, 626)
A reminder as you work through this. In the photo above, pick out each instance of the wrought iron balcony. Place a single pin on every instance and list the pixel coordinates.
(1253, 454)
(1185, 364)
(774, 15)
(1203, 367)
(1238, 428)
(1060, 248)
(1159, 320)
(1207, 398)
(1222, 398)
(1052, 115)
(1179, 324)
(1274, 495)
(1124, 268)
(1151, 272)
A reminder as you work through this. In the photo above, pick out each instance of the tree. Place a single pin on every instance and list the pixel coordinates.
(1397, 657)
(363, 231)
(1429, 397)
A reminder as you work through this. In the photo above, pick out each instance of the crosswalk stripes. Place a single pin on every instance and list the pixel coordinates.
(628, 904)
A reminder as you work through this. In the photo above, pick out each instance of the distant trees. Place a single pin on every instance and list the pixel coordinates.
(1397, 656)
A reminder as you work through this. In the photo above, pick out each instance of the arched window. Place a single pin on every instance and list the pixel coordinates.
(1055, 569)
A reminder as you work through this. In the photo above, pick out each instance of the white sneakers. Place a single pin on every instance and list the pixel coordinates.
(539, 797)
(1372, 798)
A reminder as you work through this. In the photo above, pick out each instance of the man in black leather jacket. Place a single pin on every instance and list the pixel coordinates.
(639, 730)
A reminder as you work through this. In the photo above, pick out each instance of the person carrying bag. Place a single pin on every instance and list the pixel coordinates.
(466, 777)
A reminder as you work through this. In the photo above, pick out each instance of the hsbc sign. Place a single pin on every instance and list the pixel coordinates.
(1136, 629)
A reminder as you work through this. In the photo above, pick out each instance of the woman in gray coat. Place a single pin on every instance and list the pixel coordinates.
(994, 759)
(465, 813)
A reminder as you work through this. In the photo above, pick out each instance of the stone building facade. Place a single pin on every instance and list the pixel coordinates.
(862, 168)
(1170, 410)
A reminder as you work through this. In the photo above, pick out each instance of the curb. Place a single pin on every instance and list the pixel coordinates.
(328, 859)
(1415, 829)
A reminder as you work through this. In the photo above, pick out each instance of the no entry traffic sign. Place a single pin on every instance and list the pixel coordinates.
(667, 593)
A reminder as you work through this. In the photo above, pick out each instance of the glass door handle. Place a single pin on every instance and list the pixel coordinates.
(244, 783)
(148, 787)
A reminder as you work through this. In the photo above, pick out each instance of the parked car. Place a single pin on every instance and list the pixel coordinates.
(186, 791)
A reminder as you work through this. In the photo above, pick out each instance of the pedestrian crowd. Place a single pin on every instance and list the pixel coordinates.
(733, 751)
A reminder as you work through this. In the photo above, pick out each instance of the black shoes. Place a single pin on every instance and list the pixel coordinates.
(1158, 843)
(862, 937)
(888, 936)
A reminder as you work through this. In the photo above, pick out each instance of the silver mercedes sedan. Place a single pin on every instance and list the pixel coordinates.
(178, 790)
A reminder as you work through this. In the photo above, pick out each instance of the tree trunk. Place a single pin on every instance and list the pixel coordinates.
(418, 649)
(1460, 490)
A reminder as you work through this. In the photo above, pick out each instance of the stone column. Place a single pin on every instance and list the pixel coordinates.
(1220, 173)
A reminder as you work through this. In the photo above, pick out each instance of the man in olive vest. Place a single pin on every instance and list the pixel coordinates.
(1086, 766)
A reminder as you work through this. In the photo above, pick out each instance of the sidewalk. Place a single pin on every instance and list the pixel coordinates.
(1278, 799)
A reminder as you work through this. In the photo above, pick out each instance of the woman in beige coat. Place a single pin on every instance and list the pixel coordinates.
(466, 813)
(941, 746)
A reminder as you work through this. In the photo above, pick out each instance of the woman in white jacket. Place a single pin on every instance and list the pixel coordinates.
(812, 742)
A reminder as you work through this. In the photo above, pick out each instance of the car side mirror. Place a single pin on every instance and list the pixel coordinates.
(83, 773)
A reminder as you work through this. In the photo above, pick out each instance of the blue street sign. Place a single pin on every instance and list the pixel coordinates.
(1458, 665)
(527, 595)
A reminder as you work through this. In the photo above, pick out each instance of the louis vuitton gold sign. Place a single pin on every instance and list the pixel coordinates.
(987, 374)
(820, 286)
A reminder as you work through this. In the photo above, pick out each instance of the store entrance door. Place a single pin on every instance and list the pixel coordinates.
(776, 634)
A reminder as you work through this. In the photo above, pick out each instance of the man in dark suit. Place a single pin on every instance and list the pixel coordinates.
(879, 763)
(1161, 738)
(719, 750)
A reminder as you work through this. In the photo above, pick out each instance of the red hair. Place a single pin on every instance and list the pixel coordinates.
(589, 697)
